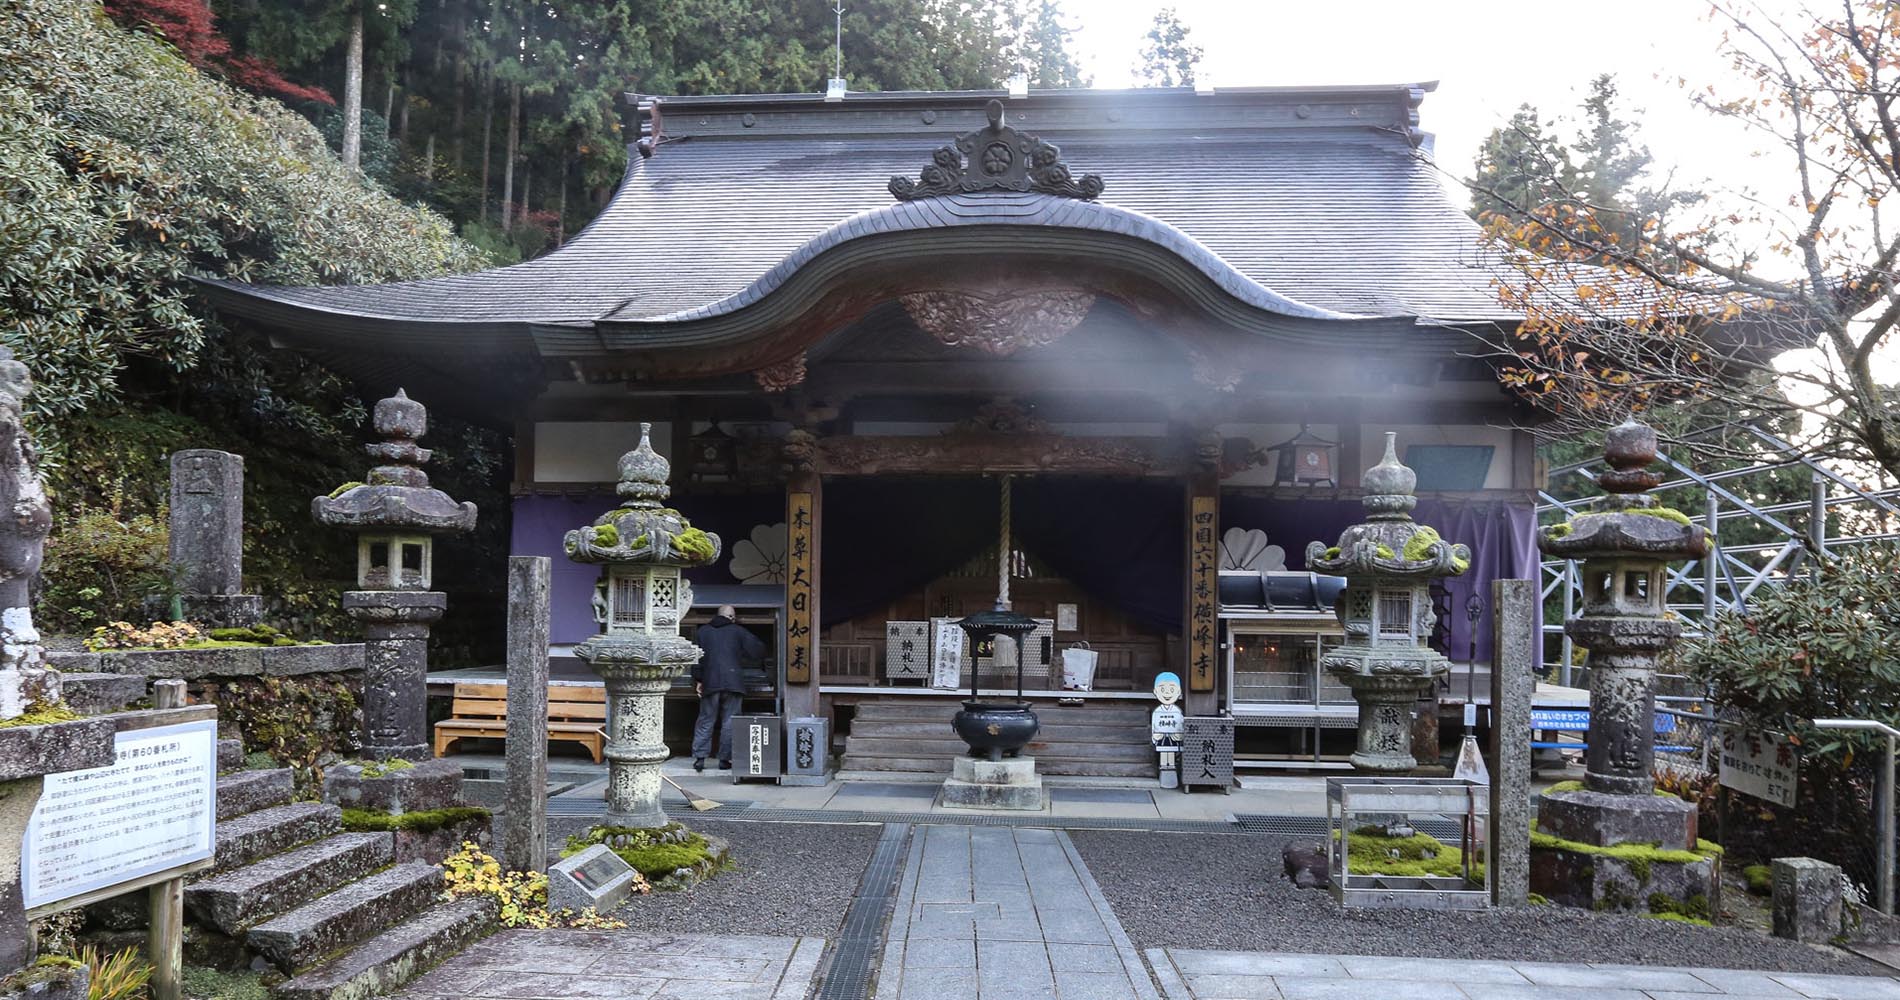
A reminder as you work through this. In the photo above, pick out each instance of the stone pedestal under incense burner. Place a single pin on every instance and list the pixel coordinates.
(975, 783)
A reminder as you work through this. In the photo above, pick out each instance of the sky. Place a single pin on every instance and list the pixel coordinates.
(1489, 56)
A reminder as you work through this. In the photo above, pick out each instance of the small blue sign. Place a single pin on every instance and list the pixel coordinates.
(1577, 720)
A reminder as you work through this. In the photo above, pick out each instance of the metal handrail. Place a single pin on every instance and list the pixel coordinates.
(1883, 803)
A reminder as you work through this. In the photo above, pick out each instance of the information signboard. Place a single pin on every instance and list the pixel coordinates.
(1577, 720)
(946, 651)
(153, 809)
(1764, 765)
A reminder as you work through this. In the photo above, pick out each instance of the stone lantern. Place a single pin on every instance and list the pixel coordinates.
(1624, 548)
(1389, 562)
(641, 546)
(395, 514)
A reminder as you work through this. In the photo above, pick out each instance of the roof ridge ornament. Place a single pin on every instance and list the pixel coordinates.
(997, 158)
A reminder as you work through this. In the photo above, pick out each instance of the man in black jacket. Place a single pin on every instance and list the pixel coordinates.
(716, 679)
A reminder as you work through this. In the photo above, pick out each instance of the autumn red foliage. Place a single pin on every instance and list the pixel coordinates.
(190, 27)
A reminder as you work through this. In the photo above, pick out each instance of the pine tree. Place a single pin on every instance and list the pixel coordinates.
(1167, 58)
(1045, 49)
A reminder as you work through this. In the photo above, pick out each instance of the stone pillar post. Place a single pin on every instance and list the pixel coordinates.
(207, 538)
(525, 818)
(395, 668)
(1515, 635)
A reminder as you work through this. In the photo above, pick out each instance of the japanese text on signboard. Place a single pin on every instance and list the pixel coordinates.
(1203, 592)
(799, 595)
(1760, 764)
(149, 811)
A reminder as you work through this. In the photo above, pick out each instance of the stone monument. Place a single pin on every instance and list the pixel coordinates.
(207, 539)
(395, 515)
(1389, 562)
(1625, 549)
(641, 546)
(24, 676)
(28, 752)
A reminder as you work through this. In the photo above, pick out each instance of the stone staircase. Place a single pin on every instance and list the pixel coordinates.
(1100, 739)
(329, 909)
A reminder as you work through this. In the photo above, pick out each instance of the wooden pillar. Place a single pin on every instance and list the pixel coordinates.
(1200, 626)
(165, 940)
(804, 499)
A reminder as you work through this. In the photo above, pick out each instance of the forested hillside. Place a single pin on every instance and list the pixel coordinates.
(506, 116)
(127, 169)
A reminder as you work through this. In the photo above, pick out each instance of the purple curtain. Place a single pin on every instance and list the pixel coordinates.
(1122, 541)
(1501, 536)
(541, 521)
(883, 538)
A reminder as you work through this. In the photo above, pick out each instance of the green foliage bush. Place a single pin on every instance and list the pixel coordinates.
(127, 172)
(304, 722)
(1811, 649)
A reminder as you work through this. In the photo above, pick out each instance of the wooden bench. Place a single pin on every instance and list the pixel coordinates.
(575, 715)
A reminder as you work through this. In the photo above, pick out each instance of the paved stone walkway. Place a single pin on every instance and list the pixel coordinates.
(623, 965)
(1243, 975)
(996, 913)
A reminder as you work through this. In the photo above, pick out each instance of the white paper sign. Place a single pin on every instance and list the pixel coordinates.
(1760, 764)
(152, 809)
(946, 654)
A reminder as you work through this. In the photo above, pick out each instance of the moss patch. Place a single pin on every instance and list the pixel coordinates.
(345, 488)
(1577, 786)
(695, 545)
(606, 535)
(1678, 918)
(383, 768)
(1760, 879)
(1644, 853)
(644, 849)
(1418, 856)
(210, 984)
(42, 714)
(422, 821)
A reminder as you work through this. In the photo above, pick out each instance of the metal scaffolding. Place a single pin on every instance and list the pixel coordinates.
(1768, 541)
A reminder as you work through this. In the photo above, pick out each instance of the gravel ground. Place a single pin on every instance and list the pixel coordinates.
(1184, 890)
(785, 879)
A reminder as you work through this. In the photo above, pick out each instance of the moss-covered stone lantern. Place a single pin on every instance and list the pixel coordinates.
(641, 547)
(1389, 562)
(396, 515)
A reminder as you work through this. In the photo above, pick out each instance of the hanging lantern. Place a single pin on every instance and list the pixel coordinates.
(712, 454)
(1305, 459)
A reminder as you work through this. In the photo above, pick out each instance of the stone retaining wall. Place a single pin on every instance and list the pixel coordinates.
(229, 661)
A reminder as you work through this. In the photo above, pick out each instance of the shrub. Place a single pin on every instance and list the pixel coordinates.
(102, 559)
(121, 975)
(158, 635)
(1810, 649)
(521, 897)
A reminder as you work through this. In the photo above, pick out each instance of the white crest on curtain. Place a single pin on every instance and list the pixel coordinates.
(761, 557)
(1247, 549)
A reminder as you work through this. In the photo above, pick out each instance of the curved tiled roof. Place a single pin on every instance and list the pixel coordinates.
(1320, 223)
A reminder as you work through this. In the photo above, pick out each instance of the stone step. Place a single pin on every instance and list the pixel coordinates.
(1091, 733)
(1112, 713)
(241, 792)
(272, 831)
(330, 923)
(941, 766)
(237, 899)
(1039, 749)
(397, 955)
(230, 755)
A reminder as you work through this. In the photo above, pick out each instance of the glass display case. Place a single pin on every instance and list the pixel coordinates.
(1288, 712)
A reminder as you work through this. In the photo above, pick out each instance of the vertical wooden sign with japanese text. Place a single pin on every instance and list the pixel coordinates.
(800, 647)
(1203, 591)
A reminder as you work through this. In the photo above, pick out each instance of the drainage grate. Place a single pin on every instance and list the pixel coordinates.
(848, 977)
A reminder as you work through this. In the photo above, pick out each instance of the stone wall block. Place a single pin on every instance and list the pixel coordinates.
(1807, 899)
